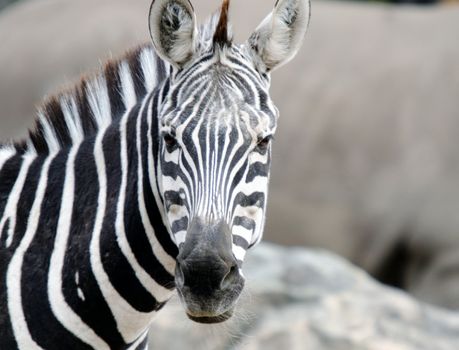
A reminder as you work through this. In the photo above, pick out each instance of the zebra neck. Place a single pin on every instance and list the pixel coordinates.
(85, 252)
(132, 255)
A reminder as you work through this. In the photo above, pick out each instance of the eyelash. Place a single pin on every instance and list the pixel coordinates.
(263, 143)
(169, 140)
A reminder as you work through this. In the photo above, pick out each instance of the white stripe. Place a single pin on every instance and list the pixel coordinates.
(200, 201)
(129, 321)
(180, 237)
(49, 134)
(165, 259)
(158, 291)
(5, 155)
(229, 174)
(11, 206)
(30, 147)
(151, 164)
(148, 62)
(258, 182)
(216, 207)
(256, 157)
(209, 194)
(239, 253)
(248, 79)
(127, 86)
(99, 101)
(241, 231)
(63, 312)
(72, 118)
(184, 80)
(197, 83)
(13, 278)
(220, 178)
(139, 341)
(172, 157)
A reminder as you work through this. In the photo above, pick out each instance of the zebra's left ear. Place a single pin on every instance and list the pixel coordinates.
(173, 30)
(279, 37)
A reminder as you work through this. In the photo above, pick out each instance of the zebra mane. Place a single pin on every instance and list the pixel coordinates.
(221, 31)
(79, 112)
(216, 30)
(98, 100)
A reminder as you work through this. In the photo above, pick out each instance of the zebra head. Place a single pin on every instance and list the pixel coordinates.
(216, 125)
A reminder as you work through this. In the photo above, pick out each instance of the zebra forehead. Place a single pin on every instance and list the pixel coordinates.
(221, 94)
(220, 116)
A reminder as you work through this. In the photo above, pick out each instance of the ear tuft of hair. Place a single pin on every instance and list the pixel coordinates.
(221, 33)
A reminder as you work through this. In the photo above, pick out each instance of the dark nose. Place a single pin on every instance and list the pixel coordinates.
(206, 264)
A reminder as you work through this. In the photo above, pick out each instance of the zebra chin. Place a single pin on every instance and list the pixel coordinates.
(210, 309)
(207, 274)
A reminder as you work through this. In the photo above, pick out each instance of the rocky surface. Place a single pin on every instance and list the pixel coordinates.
(310, 299)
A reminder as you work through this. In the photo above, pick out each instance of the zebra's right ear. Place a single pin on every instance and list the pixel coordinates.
(173, 30)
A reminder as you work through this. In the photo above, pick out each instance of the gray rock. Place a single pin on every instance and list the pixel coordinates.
(310, 299)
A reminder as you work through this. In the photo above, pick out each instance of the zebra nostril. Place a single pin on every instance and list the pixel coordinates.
(230, 278)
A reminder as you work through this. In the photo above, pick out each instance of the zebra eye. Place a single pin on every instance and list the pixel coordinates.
(169, 140)
(263, 143)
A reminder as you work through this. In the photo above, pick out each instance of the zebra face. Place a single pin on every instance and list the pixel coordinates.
(216, 136)
(216, 132)
(216, 125)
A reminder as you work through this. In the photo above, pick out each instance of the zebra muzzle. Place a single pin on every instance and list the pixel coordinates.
(207, 274)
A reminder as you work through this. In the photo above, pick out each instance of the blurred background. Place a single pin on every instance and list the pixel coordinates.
(366, 158)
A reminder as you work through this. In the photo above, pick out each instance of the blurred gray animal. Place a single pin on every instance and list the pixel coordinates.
(375, 121)
(365, 161)
(4, 3)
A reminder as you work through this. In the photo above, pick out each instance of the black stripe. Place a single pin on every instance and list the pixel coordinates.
(161, 71)
(254, 199)
(37, 310)
(137, 237)
(8, 176)
(94, 310)
(84, 110)
(9, 172)
(257, 169)
(38, 139)
(180, 225)
(152, 209)
(25, 203)
(137, 74)
(4, 233)
(57, 122)
(245, 222)
(120, 272)
(236, 180)
(112, 76)
(240, 242)
(245, 88)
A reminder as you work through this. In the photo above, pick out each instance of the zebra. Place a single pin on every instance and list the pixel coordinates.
(148, 177)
